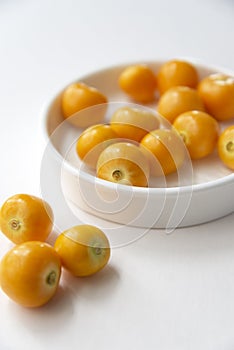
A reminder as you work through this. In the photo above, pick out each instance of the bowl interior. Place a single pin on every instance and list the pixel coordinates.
(63, 135)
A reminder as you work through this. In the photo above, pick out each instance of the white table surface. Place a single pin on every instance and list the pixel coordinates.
(164, 292)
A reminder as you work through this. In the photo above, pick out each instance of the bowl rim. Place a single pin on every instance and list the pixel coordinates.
(187, 189)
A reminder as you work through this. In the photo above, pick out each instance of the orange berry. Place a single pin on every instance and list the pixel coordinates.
(176, 73)
(84, 250)
(165, 151)
(139, 82)
(178, 100)
(26, 218)
(93, 141)
(200, 132)
(217, 92)
(78, 97)
(133, 123)
(30, 273)
(226, 147)
(123, 163)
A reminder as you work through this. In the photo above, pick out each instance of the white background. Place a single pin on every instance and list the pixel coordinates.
(164, 292)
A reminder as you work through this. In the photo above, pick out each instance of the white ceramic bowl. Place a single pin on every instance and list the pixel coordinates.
(206, 195)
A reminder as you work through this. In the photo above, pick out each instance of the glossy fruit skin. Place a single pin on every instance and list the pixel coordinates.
(30, 273)
(165, 151)
(226, 147)
(93, 141)
(78, 97)
(133, 123)
(176, 73)
(123, 163)
(200, 132)
(139, 82)
(217, 92)
(178, 100)
(84, 250)
(26, 218)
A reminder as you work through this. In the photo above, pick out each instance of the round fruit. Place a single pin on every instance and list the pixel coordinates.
(178, 100)
(139, 82)
(78, 97)
(200, 132)
(165, 150)
(84, 250)
(26, 218)
(93, 141)
(123, 163)
(226, 147)
(30, 273)
(133, 123)
(176, 73)
(217, 92)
